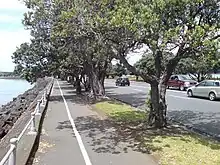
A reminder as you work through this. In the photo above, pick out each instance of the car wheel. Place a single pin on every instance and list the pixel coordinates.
(182, 88)
(190, 93)
(212, 96)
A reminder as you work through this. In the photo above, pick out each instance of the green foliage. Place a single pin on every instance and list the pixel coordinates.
(30, 60)
(201, 66)
(171, 30)
(119, 69)
(146, 64)
(73, 37)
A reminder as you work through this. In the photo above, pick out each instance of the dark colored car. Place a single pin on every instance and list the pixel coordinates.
(122, 81)
(181, 82)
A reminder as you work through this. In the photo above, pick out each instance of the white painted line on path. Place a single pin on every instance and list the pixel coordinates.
(78, 137)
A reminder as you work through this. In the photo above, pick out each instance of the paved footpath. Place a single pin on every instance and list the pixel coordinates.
(73, 134)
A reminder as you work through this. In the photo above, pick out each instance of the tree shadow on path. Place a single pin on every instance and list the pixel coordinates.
(108, 136)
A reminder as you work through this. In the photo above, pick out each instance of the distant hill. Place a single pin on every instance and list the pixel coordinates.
(9, 75)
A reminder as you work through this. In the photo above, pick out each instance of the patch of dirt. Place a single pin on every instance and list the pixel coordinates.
(44, 146)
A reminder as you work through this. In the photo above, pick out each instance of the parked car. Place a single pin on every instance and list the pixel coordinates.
(207, 89)
(121, 81)
(181, 82)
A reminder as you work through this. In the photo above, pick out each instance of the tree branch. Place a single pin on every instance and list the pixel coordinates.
(147, 78)
(215, 37)
(172, 63)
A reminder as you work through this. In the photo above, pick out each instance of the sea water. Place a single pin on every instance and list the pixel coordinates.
(10, 89)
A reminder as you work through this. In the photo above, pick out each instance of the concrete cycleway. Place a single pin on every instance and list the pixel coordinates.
(72, 133)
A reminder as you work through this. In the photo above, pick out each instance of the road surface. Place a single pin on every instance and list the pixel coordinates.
(200, 113)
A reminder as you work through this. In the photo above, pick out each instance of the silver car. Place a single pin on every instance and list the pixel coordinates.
(207, 88)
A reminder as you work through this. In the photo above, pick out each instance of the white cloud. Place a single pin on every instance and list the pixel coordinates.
(134, 56)
(12, 4)
(12, 33)
(8, 43)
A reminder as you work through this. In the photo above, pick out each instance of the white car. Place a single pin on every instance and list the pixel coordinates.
(207, 88)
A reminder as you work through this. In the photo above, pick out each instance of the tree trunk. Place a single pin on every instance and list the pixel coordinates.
(96, 85)
(86, 83)
(158, 107)
(78, 86)
(198, 77)
(72, 79)
(97, 88)
(102, 78)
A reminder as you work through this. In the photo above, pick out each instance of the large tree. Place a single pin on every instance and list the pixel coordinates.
(171, 29)
(96, 31)
(30, 60)
(74, 27)
(119, 69)
(68, 40)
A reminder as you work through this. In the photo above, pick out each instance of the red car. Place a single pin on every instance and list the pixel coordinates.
(181, 82)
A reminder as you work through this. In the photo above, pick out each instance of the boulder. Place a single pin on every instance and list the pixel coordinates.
(6, 128)
(2, 133)
(2, 122)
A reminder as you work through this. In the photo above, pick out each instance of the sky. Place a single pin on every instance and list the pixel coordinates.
(134, 56)
(12, 32)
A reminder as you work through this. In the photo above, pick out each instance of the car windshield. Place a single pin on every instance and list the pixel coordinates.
(184, 77)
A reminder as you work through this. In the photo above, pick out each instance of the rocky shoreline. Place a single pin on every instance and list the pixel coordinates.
(10, 112)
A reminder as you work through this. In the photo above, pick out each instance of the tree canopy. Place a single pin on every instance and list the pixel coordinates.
(82, 37)
(200, 67)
